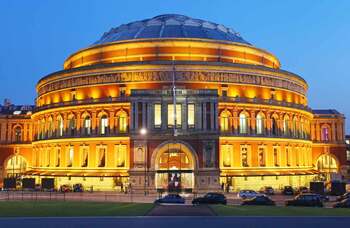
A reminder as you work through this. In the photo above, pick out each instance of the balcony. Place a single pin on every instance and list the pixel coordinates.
(83, 102)
(264, 102)
(81, 134)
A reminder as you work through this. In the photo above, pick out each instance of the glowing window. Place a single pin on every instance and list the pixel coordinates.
(243, 123)
(87, 125)
(157, 115)
(70, 156)
(101, 157)
(123, 125)
(286, 126)
(85, 156)
(177, 119)
(60, 126)
(259, 124)
(225, 121)
(103, 125)
(276, 156)
(262, 156)
(288, 156)
(120, 155)
(190, 115)
(325, 133)
(58, 157)
(244, 156)
(227, 152)
(18, 134)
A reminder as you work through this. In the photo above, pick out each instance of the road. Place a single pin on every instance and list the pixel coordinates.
(176, 222)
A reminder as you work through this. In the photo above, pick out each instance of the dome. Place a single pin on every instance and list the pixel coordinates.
(171, 26)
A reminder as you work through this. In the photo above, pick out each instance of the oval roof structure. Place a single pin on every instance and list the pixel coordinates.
(171, 26)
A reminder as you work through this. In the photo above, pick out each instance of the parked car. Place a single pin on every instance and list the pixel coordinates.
(345, 203)
(324, 198)
(65, 188)
(344, 196)
(246, 194)
(259, 200)
(171, 198)
(267, 190)
(210, 198)
(301, 190)
(306, 200)
(288, 190)
(78, 188)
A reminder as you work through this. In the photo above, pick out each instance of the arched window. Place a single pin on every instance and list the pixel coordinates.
(50, 127)
(302, 129)
(286, 125)
(243, 123)
(225, 121)
(87, 125)
(325, 133)
(295, 130)
(327, 163)
(103, 124)
(42, 129)
(60, 126)
(71, 125)
(260, 128)
(274, 127)
(18, 134)
(122, 121)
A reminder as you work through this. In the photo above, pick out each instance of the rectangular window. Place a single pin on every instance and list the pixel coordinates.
(276, 157)
(120, 155)
(177, 119)
(157, 115)
(244, 156)
(190, 115)
(348, 155)
(58, 157)
(288, 154)
(101, 157)
(262, 156)
(227, 152)
(70, 156)
(84, 157)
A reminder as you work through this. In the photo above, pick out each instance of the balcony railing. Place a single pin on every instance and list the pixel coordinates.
(264, 102)
(83, 102)
(82, 134)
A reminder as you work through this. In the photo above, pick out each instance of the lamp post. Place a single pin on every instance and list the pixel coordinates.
(143, 132)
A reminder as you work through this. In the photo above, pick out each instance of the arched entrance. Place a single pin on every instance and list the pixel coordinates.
(174, 164)
(15, 166)
(327, 165)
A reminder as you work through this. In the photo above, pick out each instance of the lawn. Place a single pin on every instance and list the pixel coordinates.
(64, 208)
(230, 210)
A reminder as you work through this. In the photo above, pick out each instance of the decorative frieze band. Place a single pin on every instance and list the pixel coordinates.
(166, 76)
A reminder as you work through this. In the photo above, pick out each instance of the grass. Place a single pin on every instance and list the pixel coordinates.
(229, 210)
(66, 209)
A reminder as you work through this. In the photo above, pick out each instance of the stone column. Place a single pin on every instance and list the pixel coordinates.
(94, 122)
(333, 135)
(112, 122)
(318, 131)
(252, 122)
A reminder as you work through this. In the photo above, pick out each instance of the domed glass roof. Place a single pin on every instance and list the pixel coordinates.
(171, 26)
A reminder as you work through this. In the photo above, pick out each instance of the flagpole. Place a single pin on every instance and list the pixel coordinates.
(174, 101)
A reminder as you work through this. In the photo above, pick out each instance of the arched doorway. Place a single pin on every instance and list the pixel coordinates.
(15, 166)
(174, 165)
(327, 165)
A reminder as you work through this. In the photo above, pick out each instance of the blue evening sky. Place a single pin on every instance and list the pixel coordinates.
(310, 37)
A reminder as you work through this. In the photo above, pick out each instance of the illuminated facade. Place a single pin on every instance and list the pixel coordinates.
(110, 118)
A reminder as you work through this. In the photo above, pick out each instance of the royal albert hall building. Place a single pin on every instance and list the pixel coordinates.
(172, 103)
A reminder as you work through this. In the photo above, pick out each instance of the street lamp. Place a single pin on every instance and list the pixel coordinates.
(143, 132)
